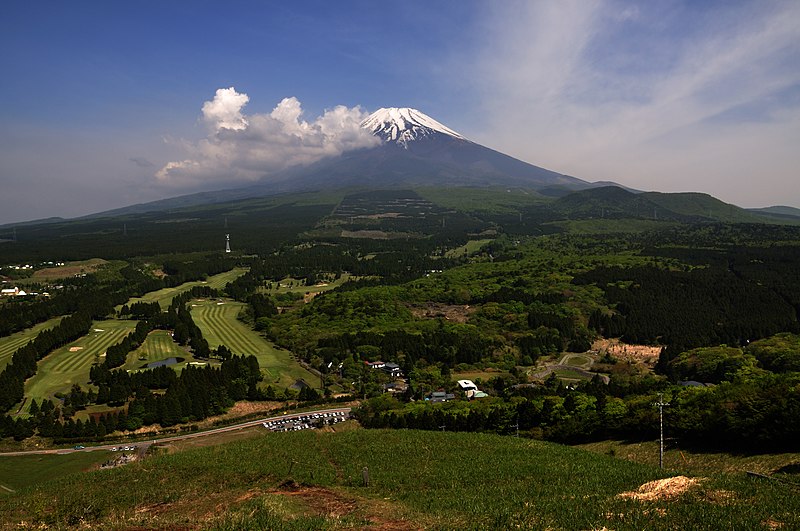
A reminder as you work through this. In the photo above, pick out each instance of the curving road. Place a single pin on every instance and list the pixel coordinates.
(143, 445)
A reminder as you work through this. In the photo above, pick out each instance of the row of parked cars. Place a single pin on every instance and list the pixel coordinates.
(123, 449)
(306, 421)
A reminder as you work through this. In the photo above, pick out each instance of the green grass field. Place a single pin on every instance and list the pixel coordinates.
(471, 247)
(10, 344)
(60, 369)
(164, 296)
(291, 285)
(417, 480)
(19, 472)
(158, 346)
(220, 326)
(577, 360)
(484, 376)
(684, 461)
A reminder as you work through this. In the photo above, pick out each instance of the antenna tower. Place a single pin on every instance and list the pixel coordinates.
(660, 405)
(227, 243)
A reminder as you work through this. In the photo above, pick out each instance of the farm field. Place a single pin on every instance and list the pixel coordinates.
(10, 344)
(220, 326)
(62, 368)
(312, 480)
(164, 296)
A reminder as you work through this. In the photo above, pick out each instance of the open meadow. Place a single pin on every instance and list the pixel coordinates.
(10, 344)
(70, 364)
(218, 322)
(418, 480)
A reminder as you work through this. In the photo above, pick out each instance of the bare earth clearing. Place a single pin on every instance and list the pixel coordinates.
(624, 351)
(451, 312)
(69, 270)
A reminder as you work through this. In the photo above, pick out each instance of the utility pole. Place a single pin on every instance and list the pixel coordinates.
(660, 404)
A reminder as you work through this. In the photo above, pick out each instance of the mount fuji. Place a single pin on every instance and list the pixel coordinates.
(417, 150)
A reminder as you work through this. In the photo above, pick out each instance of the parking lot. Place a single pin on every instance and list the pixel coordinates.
(306, 421)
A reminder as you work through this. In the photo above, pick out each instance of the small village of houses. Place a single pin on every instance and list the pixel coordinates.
(400, 384)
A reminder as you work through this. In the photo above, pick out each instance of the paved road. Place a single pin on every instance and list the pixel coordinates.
(142, 445)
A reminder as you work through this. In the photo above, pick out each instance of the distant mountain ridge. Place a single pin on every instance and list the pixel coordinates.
(418, 151)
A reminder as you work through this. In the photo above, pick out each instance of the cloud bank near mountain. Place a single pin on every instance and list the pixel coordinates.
(243, 148)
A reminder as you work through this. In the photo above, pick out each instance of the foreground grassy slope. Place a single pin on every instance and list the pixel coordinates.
(23, 471)
(311, 480)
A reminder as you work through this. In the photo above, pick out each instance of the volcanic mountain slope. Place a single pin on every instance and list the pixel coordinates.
(419, 151)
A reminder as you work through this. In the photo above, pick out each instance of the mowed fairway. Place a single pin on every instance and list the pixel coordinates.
(219, 325)
(62, 368)
(10, 344)
(164, 296)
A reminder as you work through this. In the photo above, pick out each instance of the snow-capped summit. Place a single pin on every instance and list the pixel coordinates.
(403, 124)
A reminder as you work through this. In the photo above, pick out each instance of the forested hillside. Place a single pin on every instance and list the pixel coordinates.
(550, 317)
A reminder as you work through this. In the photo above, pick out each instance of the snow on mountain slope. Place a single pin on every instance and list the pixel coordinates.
(403, 125)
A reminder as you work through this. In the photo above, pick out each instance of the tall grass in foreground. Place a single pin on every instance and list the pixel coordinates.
(431, 479)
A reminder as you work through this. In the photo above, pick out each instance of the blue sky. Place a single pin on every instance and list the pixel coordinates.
(98, 98)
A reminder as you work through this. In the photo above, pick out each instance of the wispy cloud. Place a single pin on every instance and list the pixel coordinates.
(242, 148)
(656, 96)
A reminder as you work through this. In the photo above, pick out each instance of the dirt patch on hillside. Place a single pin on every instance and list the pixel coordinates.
(624, 351)
(662, 489)
(332, 504)
(450, 312)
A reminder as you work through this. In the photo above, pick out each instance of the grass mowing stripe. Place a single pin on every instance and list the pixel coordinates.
(219, 325)
(164, 296)
(10, 344)
(60, 369)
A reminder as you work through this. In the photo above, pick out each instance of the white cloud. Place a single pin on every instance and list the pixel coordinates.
(225, 110)
(644, 95)
(245, 148)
